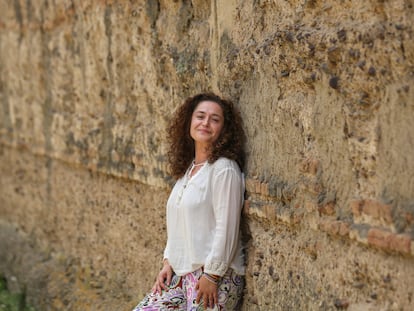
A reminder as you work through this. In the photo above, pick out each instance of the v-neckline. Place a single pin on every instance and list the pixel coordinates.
(191, 168)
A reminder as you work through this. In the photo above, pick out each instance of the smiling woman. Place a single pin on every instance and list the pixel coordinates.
(229, 144)
(206, 124)
(203, 264)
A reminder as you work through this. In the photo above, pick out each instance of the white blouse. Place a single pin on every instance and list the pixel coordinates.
(203, 217)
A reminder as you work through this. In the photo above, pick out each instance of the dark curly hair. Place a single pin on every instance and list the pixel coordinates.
(230, 143)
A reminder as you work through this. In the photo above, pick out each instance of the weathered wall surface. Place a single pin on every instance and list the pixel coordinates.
(326, 92)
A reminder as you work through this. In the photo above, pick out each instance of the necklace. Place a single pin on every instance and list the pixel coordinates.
(187, 177)
(194, 165)
(199, 164)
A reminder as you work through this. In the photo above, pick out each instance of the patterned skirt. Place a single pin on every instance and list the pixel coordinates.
(182, 294)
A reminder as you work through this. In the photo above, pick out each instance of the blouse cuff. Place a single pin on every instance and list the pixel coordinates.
(216, 268)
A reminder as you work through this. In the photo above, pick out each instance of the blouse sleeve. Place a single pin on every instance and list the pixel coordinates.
(166, 251)
(227, 186)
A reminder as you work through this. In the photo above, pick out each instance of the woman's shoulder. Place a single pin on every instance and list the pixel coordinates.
(223, 163)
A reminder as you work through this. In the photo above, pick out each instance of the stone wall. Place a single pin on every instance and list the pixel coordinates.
(326, 92)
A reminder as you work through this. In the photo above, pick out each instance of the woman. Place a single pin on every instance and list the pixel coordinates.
(203, 264)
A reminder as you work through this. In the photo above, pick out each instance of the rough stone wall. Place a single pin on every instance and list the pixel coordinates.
(326, 92)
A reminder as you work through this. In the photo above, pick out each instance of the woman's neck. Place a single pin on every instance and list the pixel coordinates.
(201, 155)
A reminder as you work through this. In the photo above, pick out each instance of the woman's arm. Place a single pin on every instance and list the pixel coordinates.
(227, 199)
(227, 188)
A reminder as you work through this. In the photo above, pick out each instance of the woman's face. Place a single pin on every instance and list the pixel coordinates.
(206, 122)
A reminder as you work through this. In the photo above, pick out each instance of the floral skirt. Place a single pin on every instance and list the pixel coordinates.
(182, 294)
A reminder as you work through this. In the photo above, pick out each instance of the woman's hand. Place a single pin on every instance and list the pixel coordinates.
(163, 279)
(207, 292)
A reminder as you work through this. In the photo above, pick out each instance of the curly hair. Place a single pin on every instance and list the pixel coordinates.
(229, 144)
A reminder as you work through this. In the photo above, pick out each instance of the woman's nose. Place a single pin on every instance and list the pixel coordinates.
(206, 121)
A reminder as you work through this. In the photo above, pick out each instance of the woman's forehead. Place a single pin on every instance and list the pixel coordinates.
(208, 106)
